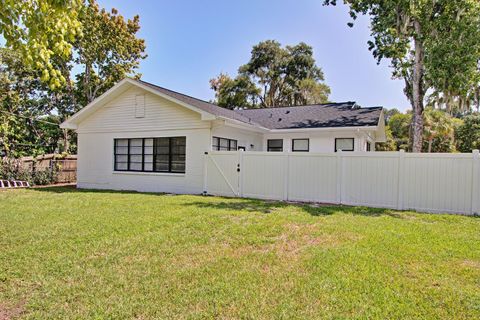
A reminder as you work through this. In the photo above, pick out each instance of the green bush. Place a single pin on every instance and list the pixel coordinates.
(468, 134)
(14, 169)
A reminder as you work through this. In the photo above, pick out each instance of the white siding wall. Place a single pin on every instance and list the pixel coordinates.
(160, 114)
(245, 138)
(320, 142)
(118, 119)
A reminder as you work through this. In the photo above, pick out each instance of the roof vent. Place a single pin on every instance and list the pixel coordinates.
(279, 119)
(287, 112)
(271, 115)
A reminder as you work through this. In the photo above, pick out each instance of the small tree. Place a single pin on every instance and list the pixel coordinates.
(468, 134)
(438, 132)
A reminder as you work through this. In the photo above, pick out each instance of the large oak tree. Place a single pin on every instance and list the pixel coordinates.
(274, 76)
(432, 44)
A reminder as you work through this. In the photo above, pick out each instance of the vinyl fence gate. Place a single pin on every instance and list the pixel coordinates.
(398, 180)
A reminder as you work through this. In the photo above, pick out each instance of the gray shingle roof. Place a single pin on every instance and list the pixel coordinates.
(200, 104)
(344, 114)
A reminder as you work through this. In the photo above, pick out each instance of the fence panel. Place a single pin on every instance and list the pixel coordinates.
(370, 179)
(438, 183)
(221, 173)
(264, 175)
(423, 182)
(312, 177)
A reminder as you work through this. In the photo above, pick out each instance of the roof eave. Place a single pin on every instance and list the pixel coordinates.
(292, 130)
(243, 125)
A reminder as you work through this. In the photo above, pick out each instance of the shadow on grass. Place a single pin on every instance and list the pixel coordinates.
(249, 205)
(73, 189)
(265, 206)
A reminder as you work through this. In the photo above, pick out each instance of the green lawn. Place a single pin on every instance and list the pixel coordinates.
(109, 255)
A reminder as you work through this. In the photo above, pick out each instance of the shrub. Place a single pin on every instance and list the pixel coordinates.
(15, 169)
(468, 134)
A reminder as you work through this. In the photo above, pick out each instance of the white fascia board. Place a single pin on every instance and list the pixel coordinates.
(242, 125)
(367, 128)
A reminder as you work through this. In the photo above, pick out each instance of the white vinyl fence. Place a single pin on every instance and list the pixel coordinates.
(399, 180)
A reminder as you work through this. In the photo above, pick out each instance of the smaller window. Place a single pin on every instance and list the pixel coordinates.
(275, 145)
(224, 144)
(300, 145)
(369, 146)
(344, 144)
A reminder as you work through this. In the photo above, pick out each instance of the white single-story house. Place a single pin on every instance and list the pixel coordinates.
(139, 136)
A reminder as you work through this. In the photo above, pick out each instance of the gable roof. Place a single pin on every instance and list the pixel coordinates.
(200, 104)
(331, 115)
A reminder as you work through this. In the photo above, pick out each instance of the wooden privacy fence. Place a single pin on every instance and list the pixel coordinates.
(398, 180)
(66, 167)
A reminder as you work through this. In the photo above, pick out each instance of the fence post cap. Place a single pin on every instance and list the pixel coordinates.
(475, 151)
(402, 150)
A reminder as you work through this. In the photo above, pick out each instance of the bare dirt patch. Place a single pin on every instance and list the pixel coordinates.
(9, 313)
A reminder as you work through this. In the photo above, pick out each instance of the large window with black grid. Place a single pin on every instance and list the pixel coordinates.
(166, 154)
(224, 144)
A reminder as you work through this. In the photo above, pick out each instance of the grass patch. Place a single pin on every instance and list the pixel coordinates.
(69, 253)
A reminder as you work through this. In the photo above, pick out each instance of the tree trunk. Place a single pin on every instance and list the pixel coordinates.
(418, 91)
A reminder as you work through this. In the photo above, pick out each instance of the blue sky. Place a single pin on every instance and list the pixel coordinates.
(190, 42)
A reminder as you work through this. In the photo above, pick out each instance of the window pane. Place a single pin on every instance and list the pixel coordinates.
(224, 143)
(136, 166)
(121, 158)
(136, 158)
(300, 145)
(162, 150)
(344, 144)
(121, 142)
(178, 141)
(121, 166)
(136, 142)
(178, 149)
(275, 145)
(148, 150)
(162, 142)
(148, 142)
(178, 163)
(121, 150)
(233, 145)
(148, 166)
(148, 158)
(161, 162)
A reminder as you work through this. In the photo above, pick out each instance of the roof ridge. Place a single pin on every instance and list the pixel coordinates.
(176, 92)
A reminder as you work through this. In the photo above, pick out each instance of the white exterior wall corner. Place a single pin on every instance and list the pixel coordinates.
(162, 118)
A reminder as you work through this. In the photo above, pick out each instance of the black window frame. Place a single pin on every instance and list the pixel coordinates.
(368, 146)
(353, 144)
(218, 146)
(153, 155)
(270, 149)
(308, 145)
